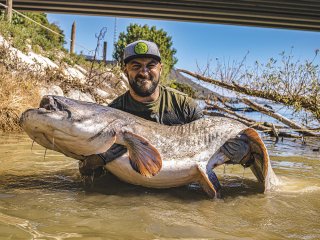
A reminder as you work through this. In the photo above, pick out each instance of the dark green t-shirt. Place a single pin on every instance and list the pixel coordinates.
(171, 108)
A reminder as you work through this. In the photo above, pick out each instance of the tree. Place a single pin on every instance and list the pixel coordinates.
(137, 32)
(24, 30)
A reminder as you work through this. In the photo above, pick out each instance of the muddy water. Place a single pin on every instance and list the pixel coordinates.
(42, 198)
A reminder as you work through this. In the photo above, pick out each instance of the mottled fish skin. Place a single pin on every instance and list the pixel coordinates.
(78, 129)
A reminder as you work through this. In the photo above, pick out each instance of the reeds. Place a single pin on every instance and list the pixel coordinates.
(18, 91)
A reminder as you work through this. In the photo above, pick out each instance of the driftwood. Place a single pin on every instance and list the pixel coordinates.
(297, 127)
(221, 109)
(305, 102)
(270, 128)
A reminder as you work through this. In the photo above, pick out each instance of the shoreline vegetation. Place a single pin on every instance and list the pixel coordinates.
(32, 67)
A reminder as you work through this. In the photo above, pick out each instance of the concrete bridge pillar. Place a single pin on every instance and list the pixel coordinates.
(9, 11)
(73, 37)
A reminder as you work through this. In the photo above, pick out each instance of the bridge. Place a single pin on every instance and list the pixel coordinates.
(287, 14)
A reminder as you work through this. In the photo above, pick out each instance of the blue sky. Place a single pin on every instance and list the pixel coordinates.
(198, 42)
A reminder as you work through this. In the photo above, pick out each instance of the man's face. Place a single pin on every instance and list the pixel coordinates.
(143, 75)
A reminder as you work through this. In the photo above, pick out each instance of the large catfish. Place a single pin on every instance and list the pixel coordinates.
(158, 156)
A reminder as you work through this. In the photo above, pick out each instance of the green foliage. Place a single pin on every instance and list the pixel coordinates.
(137, 32)
(22, 31)
(68, 60)
(80, 60)
(182, 87)
(295, 82)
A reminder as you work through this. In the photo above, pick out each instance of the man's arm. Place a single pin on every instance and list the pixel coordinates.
(87, 166)
(97, 160)
(93, 166)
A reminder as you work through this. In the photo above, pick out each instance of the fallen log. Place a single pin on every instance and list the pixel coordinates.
(306, 103)
(286, 121)
(253, 124)
(217, 107)
(211, 106)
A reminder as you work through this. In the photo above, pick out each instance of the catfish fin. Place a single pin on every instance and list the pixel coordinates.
(144, 158)
(209, 182)
(261, 166)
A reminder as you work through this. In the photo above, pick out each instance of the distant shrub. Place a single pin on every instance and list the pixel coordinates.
(183, 87)
(22, 32)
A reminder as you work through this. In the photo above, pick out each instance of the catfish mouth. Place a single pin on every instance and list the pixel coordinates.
(52, 104)
(75, 109)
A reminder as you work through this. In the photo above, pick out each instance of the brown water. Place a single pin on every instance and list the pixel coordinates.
(44, 199)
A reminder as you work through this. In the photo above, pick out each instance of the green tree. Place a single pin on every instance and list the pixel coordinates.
(137, 32)
(23, 29)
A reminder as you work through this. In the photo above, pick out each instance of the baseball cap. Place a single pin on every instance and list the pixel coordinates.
(141, 48)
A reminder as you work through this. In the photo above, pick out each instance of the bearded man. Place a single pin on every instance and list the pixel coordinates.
(145, 98)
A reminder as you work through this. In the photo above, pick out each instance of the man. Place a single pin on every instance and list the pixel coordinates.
(145, 98)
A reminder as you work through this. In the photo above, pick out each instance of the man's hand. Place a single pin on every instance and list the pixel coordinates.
(93, 165)
(88, 165)
(114, 152)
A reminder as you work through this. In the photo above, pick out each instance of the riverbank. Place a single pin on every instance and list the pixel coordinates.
(27, 76)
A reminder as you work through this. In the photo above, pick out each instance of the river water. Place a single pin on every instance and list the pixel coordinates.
(43, 198)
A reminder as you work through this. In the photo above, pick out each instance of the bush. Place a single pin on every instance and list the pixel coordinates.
(183, 87)
(23, 31)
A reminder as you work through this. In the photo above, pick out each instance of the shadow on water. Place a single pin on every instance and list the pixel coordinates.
(110, 185)
(57, 181)
(231, 187)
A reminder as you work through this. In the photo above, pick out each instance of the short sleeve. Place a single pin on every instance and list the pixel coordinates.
(192, 110)
(119, 102)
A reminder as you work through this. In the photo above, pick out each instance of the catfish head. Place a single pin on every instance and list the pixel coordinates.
(68, 126)
(79, 129)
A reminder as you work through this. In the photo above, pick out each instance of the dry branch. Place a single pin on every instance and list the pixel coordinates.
(265, 127)
(217, 107)
(309, 104)
(279, 117)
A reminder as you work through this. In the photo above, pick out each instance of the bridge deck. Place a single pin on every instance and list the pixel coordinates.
(289, 14)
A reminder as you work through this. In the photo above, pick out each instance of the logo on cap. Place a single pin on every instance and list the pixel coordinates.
(141, 48)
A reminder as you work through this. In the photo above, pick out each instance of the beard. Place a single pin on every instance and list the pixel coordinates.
(144, 87)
